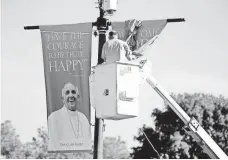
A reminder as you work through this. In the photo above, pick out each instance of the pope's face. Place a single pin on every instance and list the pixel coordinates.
(70, 97)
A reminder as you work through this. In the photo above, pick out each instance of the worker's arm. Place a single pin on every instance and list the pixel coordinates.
(128, 52)
(131, 55)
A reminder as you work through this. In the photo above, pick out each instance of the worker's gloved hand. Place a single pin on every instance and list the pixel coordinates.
(131, 57)
(136, 53)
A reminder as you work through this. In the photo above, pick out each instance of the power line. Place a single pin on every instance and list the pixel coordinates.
(151, 144)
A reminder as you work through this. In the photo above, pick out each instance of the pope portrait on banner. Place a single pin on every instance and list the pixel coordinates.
(68, 128)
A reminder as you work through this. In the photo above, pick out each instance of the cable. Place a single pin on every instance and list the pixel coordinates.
(151, 144)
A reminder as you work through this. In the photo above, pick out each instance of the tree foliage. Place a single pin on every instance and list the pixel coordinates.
(168, 136)
(37, 148)
(115, 148)
(10, 143)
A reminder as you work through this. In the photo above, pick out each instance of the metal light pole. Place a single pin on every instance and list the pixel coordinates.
(102, 25)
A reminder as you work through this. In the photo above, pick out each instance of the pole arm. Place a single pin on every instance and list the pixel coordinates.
(170, 20)
(175, 20)
(31, 27)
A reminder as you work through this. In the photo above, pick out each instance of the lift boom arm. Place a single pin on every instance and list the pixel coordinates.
(192, 126)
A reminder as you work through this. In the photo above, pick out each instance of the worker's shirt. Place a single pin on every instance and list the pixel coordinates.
(115, 50)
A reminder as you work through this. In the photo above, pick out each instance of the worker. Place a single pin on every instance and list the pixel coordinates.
(115, 49)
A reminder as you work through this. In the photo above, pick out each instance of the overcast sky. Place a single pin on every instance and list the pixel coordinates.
(187, 57)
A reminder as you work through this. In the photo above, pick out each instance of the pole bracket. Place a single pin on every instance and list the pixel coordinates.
(192, 128)
(193, 124)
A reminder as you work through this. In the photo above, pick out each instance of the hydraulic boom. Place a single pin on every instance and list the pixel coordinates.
(192, 126)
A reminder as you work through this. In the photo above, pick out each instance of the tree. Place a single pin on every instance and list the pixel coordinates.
(168, 136)
(115, 148)
(10, 143)
(37, 148)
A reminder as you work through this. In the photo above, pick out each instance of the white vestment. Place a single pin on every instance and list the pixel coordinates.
(68, 130)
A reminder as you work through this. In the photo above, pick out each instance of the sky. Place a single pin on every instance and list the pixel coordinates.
(188, 57)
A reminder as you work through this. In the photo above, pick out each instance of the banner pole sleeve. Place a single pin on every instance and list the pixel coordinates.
(175, 20)
(31, 27)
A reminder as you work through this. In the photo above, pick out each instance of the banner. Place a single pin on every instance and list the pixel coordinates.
(139, 34)
(67, 65)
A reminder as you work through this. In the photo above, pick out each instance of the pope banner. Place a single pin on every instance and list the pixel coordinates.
(67, 59)
(139, 35)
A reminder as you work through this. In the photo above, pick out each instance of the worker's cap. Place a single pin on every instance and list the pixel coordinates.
(112, 33)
